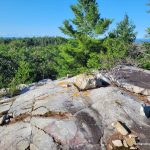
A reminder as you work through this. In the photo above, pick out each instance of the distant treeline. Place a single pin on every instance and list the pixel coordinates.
(33, 41)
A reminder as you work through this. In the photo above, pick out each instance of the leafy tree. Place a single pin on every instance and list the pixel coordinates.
(22, 74)
(7, 66)
(43, 58)
(125, 31)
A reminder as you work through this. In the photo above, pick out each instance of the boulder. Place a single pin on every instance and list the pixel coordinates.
(90, 81)
(131, 78)
(85, 82)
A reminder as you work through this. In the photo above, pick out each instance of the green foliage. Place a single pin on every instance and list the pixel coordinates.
(7, 66)
(148, 29)
(148, 32)
(87, 20)
(114, 53)
(22, 74)
(84, 29)
(39, 54)
(119, 44)
(125, 30)
(21, 77)
(70, 59)
(144, 57)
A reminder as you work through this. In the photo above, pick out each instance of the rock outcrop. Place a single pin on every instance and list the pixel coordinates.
(132, 78)
(56, 115)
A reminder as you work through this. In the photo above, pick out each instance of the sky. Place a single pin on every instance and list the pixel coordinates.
(28, 18)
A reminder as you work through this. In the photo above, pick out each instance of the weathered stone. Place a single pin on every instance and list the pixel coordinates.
(49, 116)
(117, 143)
(84, 81)
(33, 147)
(41, 140)
(4, 107)
(121, 128)
(132, 135)
(133, 147)
(125, 143)
(90, 81)
(132, 78)
(130, 141)
(24, 102)
(1, 120)
(103, 78)
(43, 82)
(15, 136)
(145, 111)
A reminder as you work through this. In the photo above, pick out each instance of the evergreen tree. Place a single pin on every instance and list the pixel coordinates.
(148, 29)
(85, 28)
(87, 20)
(113, 54)
(125, 30)
(148, 32)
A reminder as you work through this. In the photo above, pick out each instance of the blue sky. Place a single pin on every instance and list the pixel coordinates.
(24, 18)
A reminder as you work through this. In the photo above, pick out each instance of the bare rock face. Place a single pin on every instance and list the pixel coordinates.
(56, 115)
(132, 78)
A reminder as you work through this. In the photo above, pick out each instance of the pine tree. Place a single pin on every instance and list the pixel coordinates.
(87, 21)
(148, 29)
(85, 29)
(125, 30)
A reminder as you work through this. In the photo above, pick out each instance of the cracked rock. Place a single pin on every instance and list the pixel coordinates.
(131, 78)
(47, 116)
